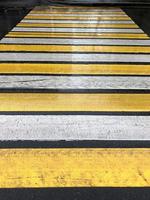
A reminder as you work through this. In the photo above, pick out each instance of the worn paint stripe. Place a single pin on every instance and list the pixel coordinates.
(72, 11)
(77, 21)
(60, 167)
(79, 7)
(61, 127)
(81, 10)
(77, 102)
(77, 30)
(78, 15)
(78, 18)
(72, 41)
(82, 69)
(73, 48)
(25, 24)
(74, 82)
(78, 35)
(76, 57)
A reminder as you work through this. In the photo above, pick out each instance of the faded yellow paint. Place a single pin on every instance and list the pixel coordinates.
(96, 69)
(76, 102)
(78, 17)
(76, 35)
(85, 167)
(76, 25)
(71, 48)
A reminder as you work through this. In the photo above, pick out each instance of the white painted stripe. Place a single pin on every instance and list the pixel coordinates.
(74, 127)
(78, 30)
(77, 21)
(81, 9)
(71, 82)
(74, 41)
(71, 9)
(77, 57)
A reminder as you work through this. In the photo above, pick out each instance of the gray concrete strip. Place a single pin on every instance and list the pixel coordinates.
(78, 30)
(74, 127)
(76, 57)
(74, 82)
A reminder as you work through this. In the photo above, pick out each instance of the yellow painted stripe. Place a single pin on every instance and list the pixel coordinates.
(87, 167)
(77, 102)
(78, 25)
(70, 48)
(95, 69)
(78, 17)
(77, 35)
(76, 12)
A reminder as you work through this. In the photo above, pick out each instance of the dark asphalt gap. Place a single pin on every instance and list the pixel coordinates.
(10, 19)
(83, 193)
(75, 144)
(141, 16)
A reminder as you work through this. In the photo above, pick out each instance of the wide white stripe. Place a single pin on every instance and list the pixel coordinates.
(78, 21)
(81, 9)
(57, 8)
(74, 127)
(74, 41)
(72, 10)
(72, 30)
(75, 82)
(77, 57)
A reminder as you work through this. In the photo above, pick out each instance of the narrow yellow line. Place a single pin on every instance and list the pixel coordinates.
(22, 24)
(76, 102)
(76, 12)
(78, 17)
(91, 69)
(84, 14)
(70, 48)
(77, 35)
(86, 167)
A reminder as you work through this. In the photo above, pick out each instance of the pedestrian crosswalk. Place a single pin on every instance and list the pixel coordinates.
(73, 79)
